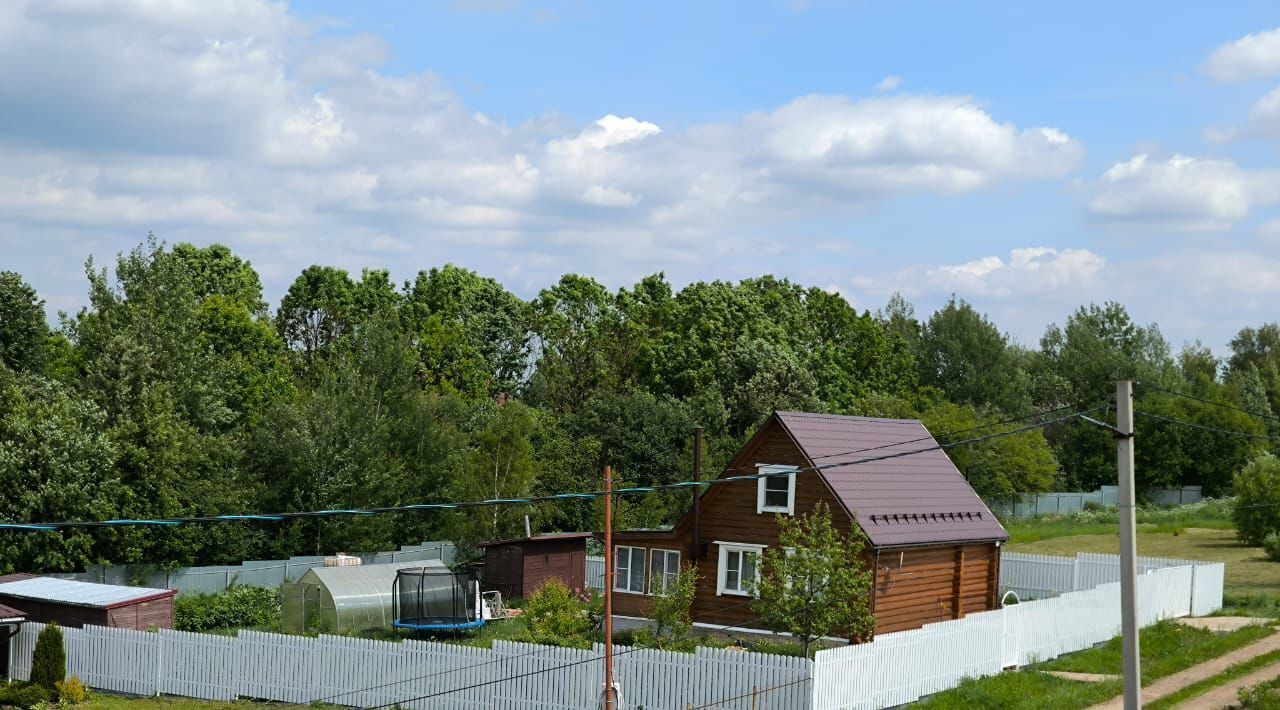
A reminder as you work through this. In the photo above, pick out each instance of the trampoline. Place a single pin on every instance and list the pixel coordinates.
(436, 599)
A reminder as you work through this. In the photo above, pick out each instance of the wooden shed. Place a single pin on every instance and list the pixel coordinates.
(933, 545)
(10, 620)
(518, 567)
(74, 604)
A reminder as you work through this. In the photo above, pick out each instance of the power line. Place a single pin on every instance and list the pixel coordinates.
(1010, 420)
(752, 694)
(1233, 408)
(503, 659)
(590, 495)
(559, 667)
(1202, 427)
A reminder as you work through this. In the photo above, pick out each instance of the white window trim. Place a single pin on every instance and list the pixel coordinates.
(722, 567)
(665, 570)
(765, 469)
(631, 558)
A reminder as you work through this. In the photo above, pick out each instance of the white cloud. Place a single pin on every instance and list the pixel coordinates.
(889, 83)
(241, 123)
(1253, 56)
(1028, 271)
(1182, 192)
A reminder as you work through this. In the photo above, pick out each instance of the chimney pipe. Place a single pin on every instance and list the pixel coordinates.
(697, 493)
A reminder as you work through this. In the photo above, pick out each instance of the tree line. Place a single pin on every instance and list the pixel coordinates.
(178, 391)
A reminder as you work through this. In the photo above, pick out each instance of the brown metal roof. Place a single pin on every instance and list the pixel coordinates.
(910, 500)
(545, 537)
(8, 613)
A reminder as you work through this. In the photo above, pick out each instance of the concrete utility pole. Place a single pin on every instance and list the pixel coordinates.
(1128, 548)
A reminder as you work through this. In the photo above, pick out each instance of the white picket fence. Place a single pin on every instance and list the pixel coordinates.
(416, 674)
(1039, 576)
(903, 667)
(891, 670)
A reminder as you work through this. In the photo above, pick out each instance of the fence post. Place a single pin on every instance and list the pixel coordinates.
(1191, 606)
(1075, 573)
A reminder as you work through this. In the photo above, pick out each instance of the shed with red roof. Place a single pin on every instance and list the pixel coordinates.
(933, 543)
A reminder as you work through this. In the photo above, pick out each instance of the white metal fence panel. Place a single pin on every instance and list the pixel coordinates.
(1039, 576)
(900, 668)
(416, 674)
(595, 572)
(122, 660)
(197, 665)
(1036, 576)
(1206, 591)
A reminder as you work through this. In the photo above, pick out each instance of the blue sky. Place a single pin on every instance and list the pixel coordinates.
(1028, 158)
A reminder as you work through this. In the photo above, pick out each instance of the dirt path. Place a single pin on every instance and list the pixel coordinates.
(1173, 683)
(1227, 695)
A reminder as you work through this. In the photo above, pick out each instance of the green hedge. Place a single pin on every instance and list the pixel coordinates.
(237, 607)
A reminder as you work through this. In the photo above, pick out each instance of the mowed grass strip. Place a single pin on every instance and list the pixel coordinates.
(1166, 648)
(1196, 689)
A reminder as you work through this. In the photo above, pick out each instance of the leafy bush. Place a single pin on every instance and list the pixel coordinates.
(25, 695)
(1257, 510)
(237, 607)
(1264, 696)
(671, 619)
(1271, 544)
(557, 617)
(49, 660)
(71, 691)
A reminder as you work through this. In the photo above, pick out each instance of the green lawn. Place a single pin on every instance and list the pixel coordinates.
(1249, 572)
(1166, 648)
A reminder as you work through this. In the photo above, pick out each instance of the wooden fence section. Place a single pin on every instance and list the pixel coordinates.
(900, 668)
(417, 674)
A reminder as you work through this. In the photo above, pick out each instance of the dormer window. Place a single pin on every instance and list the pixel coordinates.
(776, 489)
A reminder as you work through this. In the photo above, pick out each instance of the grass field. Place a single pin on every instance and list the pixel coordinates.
(1166, 648)
(1249, 572)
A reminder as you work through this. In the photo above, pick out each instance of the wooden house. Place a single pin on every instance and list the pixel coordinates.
(933, 544)
(516, 568)
(74, 604)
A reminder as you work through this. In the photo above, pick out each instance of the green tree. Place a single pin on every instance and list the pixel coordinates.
(23, 331)
(473, 333)
(496, 463)
(963, 354)
(572, 321)
(56, 463)
(816, 582)
(49, 659)
(317, 310)
(168, 398)
(671, 617)
(998, 469)
(1257, 505)
(360, 434)
(1259, 349)
(216, 271)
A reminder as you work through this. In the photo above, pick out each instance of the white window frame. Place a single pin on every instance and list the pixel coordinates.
(764, 470)
(722, 567)
(668, 571)
(621, 582)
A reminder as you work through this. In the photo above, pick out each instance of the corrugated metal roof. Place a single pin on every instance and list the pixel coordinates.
(545, 537)
(8, 612)
(70, 591)
(910, 500)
